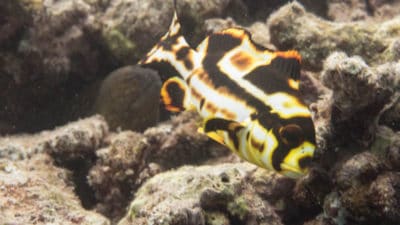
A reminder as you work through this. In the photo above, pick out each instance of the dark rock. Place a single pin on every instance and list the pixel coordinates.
(50, 61)
(359, 170)
(384, 198)
(14, 17)
(334, 212)
(359, 93)
(394, 154)
(132, 28)
(309, 193)
(132, 158)
(129, 98)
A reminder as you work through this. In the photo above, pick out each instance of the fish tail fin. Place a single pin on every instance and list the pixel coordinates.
(173, 50)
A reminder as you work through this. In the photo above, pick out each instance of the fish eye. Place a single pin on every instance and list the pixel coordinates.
(292, 135)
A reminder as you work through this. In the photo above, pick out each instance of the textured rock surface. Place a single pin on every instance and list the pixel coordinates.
(74, 140)
(131, 158)
(48, 63)
(359, 94)
(132, 27)
(293, 27)
(196, 195)
(55, 56)
(354, 10)
(34, 191)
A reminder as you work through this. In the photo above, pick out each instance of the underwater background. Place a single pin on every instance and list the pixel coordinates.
(84, 139)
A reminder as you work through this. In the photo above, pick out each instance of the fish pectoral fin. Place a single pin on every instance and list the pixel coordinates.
(214, 128)
(213, 135)
(175, 95)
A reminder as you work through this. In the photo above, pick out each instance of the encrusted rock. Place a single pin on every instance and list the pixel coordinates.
(193, 195)
(393, 154)
(365, 192)
(132, 27)
(384, 197)
(51, 60)
(132, 158)
(359, 95)
(34, 191)
(72, 141)
(293, 27)
(345, 11)
(358, 170)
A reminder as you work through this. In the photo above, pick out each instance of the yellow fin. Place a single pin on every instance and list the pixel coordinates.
(216, 137)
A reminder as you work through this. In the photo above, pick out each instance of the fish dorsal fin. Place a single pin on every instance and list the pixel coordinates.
(173, 49)
(281, 74)
(287, 63)
(175, 95)
(238, 56)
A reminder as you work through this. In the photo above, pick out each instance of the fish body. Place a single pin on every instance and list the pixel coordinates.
(247, 95)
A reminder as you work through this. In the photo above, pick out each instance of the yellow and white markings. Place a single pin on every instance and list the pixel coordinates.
(247, 95)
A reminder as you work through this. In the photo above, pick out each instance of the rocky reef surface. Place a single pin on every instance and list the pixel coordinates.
(128, 162)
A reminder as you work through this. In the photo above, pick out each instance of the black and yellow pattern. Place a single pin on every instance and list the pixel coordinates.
(247, 95)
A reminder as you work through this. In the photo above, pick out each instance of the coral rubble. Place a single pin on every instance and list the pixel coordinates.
(34, 191)
(293, 27)
(67, 59)
(198, 195)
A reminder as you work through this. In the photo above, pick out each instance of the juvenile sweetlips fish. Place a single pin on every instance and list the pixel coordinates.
(247, 95)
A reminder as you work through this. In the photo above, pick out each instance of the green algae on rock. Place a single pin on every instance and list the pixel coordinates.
(184, 196)
(139, 25)
(293, 27)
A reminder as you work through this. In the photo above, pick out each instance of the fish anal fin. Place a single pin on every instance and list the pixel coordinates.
(175, 95)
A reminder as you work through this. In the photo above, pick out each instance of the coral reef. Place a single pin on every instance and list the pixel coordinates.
(356, 88)
(354, 10)
(74, 140)
(54, 52)
(293, 27)
(132, 27)
(34, 191)
(131, 158)
(200, 195)
(66, 59)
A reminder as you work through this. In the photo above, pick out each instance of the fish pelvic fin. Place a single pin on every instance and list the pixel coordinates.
(224, 131)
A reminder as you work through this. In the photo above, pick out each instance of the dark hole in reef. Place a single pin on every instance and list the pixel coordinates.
(224, 178)
(80, 168)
